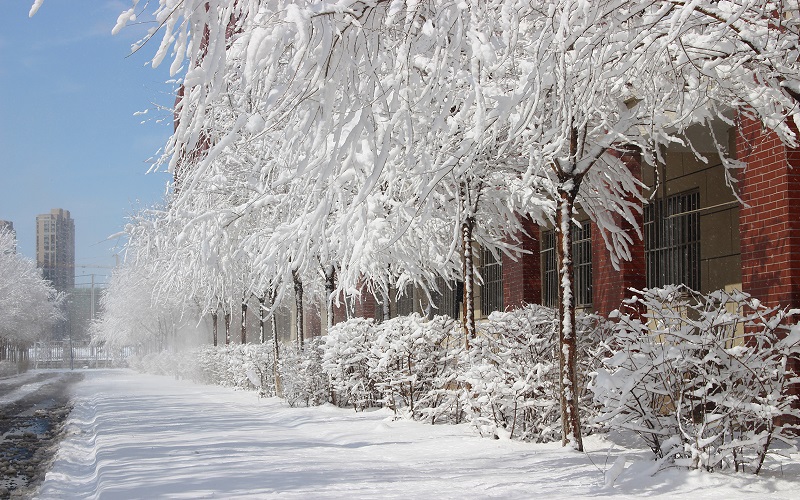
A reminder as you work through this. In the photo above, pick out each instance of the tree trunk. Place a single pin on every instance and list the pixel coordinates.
(227, 327)
(298, 302)
(244, 322)
(214, 317)
(330, 286)
(385, 306)
(262, 319)
(567, 353)
(467, 261)
(276, 355)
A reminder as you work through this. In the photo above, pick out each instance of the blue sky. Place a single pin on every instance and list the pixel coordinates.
(68, 134)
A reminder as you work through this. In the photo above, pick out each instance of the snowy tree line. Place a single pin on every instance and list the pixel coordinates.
(29, 305)
(338, 148)
(684, 376)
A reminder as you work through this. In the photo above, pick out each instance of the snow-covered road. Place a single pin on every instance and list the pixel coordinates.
(139, 436)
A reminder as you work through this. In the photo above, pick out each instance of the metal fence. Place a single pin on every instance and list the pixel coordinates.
(75, 354)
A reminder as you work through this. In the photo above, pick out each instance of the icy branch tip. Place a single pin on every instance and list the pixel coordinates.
(124, 19)
(35, 7)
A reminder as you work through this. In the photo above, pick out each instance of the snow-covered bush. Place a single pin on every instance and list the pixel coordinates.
(510, 377)
(303, 381)
(409, 360)
(346, 360)
(247, 366)
(243, 366)
(702, 378)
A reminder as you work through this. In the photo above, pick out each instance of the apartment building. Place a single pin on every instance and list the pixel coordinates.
(55, 248)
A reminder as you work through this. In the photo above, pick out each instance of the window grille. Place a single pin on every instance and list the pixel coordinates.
(448, 299)
(672, 241)
(405, 302)
(492, 289)
(581, 265)
(549, 273)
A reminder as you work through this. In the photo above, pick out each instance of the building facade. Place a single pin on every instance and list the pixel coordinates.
(55, 248)
(699, 226)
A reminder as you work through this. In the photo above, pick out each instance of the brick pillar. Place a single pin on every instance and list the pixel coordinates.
(769, 221)
(339, 311)
(522, 283)
(313, 321)
(365, 305)
(610, 286)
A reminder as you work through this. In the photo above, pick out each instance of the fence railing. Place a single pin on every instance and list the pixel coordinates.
(75, 354)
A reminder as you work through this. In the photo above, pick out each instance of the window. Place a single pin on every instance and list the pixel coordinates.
(672, 241)
(448, 299)
(581, 265)
(492, 290)
(405, 303)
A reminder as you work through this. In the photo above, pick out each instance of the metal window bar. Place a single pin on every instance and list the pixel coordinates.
(405, 303)
(672, 241)
(448, 299)
(582, 266)
(549, 273)
(492, 290)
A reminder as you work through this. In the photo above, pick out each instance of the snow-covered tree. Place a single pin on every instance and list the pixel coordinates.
(29, 305)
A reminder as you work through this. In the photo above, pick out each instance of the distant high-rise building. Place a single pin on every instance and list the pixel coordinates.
(55, 248)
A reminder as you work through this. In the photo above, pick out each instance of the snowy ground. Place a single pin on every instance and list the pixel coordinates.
(138, 436)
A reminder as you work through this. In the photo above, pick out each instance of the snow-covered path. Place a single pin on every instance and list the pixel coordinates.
(138, 436)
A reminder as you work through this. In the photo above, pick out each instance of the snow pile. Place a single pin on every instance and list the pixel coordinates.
(703, 379)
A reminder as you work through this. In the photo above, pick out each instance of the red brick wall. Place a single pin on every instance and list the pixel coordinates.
(522, 283)
(769, 223)
(770, 220)
(610, 286)
(365, 305)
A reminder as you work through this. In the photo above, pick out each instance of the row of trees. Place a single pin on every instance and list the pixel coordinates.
(29, 305)
(349, 146)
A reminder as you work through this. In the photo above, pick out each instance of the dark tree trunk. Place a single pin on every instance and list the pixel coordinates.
(298, 301)
(262, 319)
(330, 286)
(569, 185)
(227, 327)
(214, 329)
(244, 321)
(273, 295)
(467, 261)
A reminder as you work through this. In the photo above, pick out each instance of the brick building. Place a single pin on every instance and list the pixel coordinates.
(695, 231)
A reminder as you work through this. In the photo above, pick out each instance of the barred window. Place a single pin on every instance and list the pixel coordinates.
(448, 299)
(492, 290)
(672, 241)
(405, 302)
(581, 264)
(549, 273)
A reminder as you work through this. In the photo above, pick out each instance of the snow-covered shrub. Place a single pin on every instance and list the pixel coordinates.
(346, 360)
(701, 378)
(409, 359)
(510, 375)
(303, 380)
(242, 366)
(247, 366)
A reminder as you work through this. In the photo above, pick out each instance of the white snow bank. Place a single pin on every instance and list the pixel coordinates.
(143, 436)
